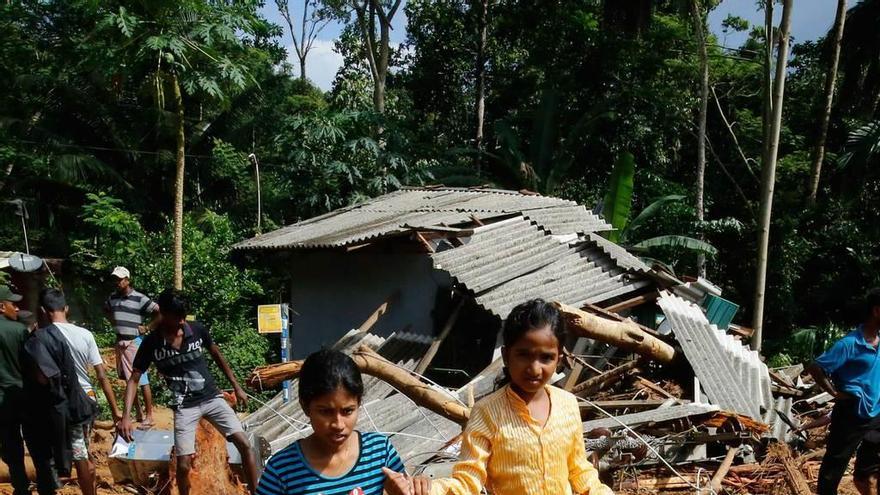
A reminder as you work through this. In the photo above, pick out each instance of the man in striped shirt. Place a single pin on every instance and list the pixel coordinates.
(126, 308)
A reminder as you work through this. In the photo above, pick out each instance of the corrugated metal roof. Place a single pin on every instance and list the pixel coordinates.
(732, 376)
(283, 424)
(396, 212)
(513, 260)
(653, 416)
(619, 254)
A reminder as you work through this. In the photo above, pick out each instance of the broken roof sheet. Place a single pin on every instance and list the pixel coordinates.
(658, 415)
(513, 260)
(281, 423)
(397, 212)
(732, 376)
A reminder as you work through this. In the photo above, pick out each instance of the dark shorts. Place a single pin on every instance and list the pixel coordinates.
(868, 456)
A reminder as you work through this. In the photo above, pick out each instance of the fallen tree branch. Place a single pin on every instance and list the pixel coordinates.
(271, 376)
(421, 393)
(371, 363)
(626, 335)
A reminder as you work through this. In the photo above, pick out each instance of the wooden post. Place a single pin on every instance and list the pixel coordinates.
(435, 345)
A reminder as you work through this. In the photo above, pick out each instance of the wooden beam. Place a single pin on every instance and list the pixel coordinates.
(578, 367)
(632, 303)
(718, 478)
(435, 345)
(427, 245)
(592, 308)
(378, 313)
(626, 335)
(648, 384)
(597, 383)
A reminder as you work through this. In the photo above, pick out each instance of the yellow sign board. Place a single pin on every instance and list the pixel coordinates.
(269, 318)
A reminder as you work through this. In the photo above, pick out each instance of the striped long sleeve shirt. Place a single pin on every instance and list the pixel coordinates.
(505, 450)
(289, 473)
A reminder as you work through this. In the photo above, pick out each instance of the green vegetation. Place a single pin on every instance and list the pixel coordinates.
(119, 117)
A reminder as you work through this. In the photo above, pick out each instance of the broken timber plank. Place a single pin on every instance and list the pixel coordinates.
(648, 384)
(578, 367)
(653, 416)
(597, 383)
(626, 335)
(632, 303)
(718, 478)
(381, 310)
(596, 310)
(793, 474)
(435, 345)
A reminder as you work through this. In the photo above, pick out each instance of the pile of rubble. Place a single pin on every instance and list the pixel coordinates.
(683, 407)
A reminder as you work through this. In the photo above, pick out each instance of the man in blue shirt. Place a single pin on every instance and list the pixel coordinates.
(850, 371)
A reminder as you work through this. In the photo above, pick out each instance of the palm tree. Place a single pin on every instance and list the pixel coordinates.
(195, 49)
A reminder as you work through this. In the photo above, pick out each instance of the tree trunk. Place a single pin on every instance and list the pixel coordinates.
(626, 335)
(302, 67)
(7, 174)
(830, 80)
(178, 185)
(481, 81)
(699, 30)
(382, 68)
(768, 174)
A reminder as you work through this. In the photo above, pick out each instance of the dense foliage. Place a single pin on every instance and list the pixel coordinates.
(572, 87)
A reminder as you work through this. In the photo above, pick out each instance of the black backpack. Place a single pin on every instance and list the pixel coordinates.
(63, 389)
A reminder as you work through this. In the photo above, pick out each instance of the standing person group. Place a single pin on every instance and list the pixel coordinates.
(47, 399)
(50, 367)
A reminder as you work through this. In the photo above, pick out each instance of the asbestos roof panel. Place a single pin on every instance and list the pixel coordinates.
(619, 254)
(395, 212)
(513, 260)
(560, 220)
(283, 423)
(499, 253)
(729, 374)
(658, 415)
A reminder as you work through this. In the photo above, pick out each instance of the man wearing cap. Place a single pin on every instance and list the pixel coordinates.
(126, 308)
(12, 337)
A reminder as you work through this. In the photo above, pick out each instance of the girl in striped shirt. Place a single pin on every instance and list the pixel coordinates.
(526, 438)
(335, 459)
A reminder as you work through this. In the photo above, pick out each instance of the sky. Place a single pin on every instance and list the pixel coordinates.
(810, 20)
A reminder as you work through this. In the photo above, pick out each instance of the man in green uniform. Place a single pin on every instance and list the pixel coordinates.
(12, 337)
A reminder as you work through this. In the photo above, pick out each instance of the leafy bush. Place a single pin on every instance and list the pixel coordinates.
(804, 345)
(221, 295)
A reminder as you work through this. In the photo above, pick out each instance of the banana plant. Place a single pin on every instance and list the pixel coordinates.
(617, 208)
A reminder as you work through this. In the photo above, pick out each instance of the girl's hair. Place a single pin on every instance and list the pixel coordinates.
(525, 317)
(532, 315)
(325, 371)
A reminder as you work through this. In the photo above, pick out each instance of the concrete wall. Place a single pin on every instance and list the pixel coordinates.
(334, 292)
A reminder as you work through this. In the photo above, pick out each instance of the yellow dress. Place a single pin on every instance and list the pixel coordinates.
(504, 449)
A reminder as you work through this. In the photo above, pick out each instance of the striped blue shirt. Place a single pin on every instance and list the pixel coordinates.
(288, 472)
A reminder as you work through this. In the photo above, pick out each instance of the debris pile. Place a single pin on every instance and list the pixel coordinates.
(683, 407)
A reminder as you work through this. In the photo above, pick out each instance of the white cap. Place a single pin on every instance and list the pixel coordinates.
(121, 272)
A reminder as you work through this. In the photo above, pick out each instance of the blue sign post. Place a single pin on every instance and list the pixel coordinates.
(285, 346)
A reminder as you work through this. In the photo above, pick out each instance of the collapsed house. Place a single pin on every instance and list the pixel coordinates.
(444, 266)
